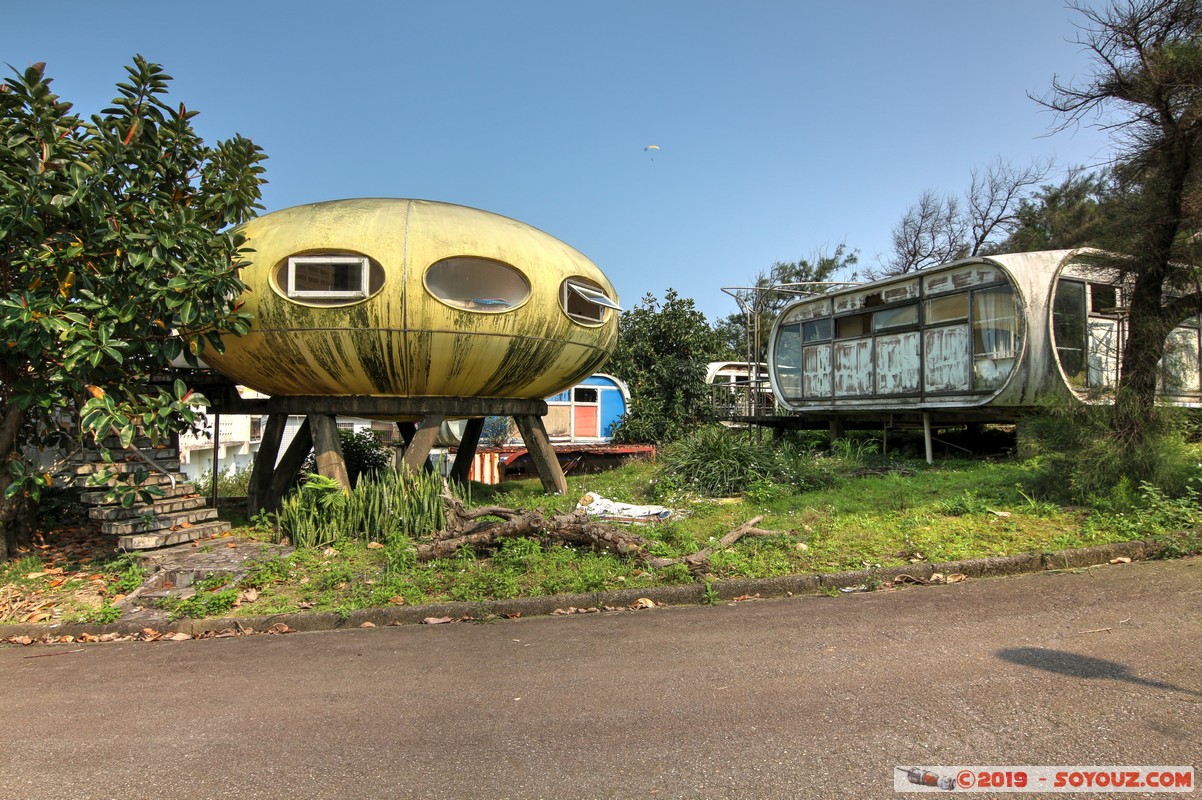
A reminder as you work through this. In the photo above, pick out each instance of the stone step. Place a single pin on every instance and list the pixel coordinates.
(162, 522)
(158, 508)
(91, 455)
(182, 489)
(150, 541)
(127, 467)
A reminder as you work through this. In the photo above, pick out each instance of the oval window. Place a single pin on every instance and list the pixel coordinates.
(584, 301)
(328, 279)
(477, 284)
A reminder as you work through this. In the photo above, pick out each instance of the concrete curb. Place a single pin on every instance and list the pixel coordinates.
(786, 586)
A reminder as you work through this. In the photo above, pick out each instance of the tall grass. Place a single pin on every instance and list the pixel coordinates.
(713, 462)
(383, 507)
(716, 461)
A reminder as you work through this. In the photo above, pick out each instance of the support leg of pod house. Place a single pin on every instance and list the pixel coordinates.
(926, 436)
(289, 466)
(467, 449)
(836, 430)
(406, 431)
(417, 451)
(327, 449)
(538, 444)
(264, 467)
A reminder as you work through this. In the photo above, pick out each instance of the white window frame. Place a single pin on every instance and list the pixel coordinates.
(592, 296)
(308, 294)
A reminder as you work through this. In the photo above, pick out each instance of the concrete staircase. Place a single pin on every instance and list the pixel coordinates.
(177, 516)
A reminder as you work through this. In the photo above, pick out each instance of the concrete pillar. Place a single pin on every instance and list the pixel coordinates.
(417, 451)
(264, 467)
(467, 449)
(327, 449)
(538, 444)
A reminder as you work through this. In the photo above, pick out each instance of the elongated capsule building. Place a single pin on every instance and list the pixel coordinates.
(987, 339)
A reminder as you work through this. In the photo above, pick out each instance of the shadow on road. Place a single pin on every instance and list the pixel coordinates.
(1078, 666)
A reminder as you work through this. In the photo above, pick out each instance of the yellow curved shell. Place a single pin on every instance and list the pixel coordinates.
(402, 340)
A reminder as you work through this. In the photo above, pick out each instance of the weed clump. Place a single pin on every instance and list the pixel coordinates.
(383, 507)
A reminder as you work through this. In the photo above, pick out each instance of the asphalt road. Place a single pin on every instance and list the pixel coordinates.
(807, 697)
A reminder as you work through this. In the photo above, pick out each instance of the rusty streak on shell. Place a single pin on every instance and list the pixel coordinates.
(403, 341)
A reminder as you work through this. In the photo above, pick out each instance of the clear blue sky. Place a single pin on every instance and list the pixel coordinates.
(785, 126)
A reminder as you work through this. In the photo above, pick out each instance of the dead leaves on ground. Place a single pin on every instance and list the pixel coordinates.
(148, 635)
(41, 596)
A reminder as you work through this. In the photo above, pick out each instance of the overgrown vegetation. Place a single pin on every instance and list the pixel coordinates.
(1079, 460)
(383, 507)
(233, 483)
(716, 461)
(836, 508)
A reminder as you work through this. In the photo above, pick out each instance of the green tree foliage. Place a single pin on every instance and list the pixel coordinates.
(1146, 89)
(116, 257)
(662, 353)
(1062, 216)
(363, 452)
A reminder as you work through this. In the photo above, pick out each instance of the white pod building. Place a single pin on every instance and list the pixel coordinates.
(982, 339)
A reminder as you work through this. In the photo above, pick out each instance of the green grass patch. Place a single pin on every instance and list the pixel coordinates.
(831, 513)
(951, 511)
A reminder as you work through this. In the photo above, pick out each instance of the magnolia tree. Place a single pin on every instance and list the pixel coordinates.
(117, 257)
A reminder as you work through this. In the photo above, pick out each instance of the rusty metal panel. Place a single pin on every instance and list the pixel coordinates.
(819, 308)
(853, 368)
(898, 363)
(947, 359)
(950, 280)
(816, 374)
(900, 291)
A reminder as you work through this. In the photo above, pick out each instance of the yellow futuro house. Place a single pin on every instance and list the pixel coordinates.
(413, 298)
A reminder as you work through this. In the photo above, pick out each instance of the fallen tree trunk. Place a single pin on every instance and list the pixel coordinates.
(469, 528)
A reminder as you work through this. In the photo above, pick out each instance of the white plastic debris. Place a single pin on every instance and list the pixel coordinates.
(597, 506)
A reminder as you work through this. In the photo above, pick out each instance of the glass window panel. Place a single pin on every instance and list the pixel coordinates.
(995, 329)
(816, 331)
(329, 279)
(952, 308)
(848, 327)
(891, 318)
(477, 284)
(787, 360)
(585, 301)
(1069, 331)
(1103, 298)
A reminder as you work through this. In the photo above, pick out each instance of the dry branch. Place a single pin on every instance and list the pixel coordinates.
(464, 528)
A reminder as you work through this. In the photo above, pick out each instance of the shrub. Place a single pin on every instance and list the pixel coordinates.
(363, 452)
(1079, 459)
(234, 483)
(714, 461)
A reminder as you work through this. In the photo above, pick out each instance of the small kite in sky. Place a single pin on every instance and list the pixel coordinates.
(652, 149)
